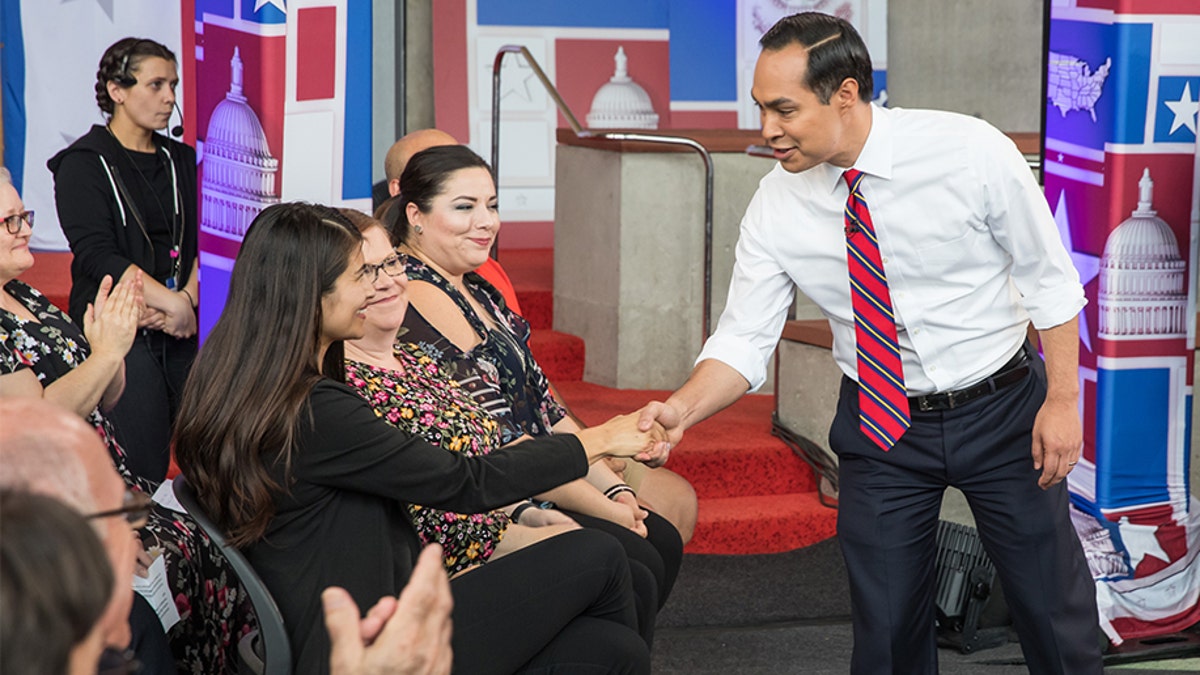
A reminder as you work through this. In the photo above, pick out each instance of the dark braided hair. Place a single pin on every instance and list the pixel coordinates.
(120, 63)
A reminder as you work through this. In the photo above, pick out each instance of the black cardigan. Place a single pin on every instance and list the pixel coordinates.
(104, 235)
(344, 522)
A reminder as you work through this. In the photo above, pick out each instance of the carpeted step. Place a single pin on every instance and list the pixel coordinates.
(768, 523)
(532, 274)
(560, 355)
(731, 454)
(537, 306)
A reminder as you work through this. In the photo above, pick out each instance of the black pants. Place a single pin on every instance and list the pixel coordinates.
(887, 524)
(563, 605)
(155, 369)
(654, 562)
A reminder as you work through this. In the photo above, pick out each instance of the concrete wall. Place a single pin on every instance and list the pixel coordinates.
(629, 256)
(978, 57)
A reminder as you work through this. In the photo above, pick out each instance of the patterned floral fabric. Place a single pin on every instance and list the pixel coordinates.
(423, 401)
(500, 371)
(214, 611)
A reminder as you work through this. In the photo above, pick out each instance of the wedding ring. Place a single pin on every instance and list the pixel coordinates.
(1072, 463)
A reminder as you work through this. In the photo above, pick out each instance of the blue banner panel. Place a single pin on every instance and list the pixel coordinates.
(356, 148)
(1175, 121)
(12, 91)
(1135, 405)
(215, 7)
(1083, 81)
(703, 50)
(577, 13)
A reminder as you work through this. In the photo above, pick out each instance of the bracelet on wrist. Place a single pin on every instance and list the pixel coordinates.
(191, 300)
(617, 489)
(515, 516)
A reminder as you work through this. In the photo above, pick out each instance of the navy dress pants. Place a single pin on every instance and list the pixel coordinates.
(887, 524)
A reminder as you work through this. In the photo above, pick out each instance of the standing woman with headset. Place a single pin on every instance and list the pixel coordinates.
(126, 198)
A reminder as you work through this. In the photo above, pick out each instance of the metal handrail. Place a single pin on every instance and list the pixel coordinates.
(580, 132)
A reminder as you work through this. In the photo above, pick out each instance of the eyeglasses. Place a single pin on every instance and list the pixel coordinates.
(393, 265)
(13, 222)
(136, 509)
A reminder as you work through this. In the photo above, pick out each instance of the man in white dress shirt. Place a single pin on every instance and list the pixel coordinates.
(971, 256)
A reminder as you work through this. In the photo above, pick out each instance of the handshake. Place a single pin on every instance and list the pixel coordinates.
(646, 436)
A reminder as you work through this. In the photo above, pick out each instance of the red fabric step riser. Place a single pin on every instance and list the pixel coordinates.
(537, 307)
(755, 467)
(764, 524)
(560, 355)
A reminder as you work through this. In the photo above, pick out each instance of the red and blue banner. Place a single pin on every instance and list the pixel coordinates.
(693, 59)
(283, 91)
(1120, 174)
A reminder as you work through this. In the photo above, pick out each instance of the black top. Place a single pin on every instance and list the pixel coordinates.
(101, 226)
(345, 521)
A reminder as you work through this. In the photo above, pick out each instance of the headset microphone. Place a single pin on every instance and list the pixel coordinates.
(177, 130)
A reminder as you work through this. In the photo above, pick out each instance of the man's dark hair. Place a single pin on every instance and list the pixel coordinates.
(835, 52)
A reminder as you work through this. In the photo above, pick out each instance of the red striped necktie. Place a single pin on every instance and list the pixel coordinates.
(882, 398)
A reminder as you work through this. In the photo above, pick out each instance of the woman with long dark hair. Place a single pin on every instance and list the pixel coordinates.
(302, 475)
(126, 198)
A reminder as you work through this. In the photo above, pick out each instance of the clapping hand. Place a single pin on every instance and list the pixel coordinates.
(111, 321)
(409, 635)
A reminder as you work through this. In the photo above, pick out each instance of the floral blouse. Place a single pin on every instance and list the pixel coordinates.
(215, 613)
(423, 401)
(500, 371)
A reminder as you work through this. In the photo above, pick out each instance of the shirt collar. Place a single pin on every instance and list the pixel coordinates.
(875, 158)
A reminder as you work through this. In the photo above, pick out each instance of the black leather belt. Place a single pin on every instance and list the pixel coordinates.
(1010, 373)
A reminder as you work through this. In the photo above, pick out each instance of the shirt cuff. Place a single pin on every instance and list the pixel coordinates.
(738, 354)
(1054, 307)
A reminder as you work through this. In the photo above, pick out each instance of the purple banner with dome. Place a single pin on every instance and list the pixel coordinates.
(1120, 175)
(283, 113)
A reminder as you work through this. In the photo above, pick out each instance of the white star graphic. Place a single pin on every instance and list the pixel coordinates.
(1184, 110)
(1087, 264)
(278, 4)
(106, 5)
(516, 76)
(1141, 543)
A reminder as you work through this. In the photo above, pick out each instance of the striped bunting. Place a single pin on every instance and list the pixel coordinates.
(882, 397)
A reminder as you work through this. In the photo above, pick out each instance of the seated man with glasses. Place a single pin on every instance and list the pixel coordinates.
(46, 450)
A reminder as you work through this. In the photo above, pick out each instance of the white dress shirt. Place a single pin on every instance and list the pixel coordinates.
(969, 246)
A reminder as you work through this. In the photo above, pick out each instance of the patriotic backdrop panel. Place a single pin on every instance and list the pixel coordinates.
(276, 96)
(694, 59)
(1120, 176)
(283, 92)
(51, 51)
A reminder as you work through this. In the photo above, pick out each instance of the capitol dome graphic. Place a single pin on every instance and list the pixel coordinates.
(1143, 292)
(622, 103)
(239, 170)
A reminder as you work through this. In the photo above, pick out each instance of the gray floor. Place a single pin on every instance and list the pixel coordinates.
(789, 613)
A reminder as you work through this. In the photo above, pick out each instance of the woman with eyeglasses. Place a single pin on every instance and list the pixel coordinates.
(126, 200)
(44, 354)
(411, 391)
(305, 478)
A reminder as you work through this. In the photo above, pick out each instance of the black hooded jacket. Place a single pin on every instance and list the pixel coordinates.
(95, 181)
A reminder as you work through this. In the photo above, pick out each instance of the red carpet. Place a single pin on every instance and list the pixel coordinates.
(51, 275)
(756, 496)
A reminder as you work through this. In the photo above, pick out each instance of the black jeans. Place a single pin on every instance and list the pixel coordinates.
(561, 605)
(155, 369)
